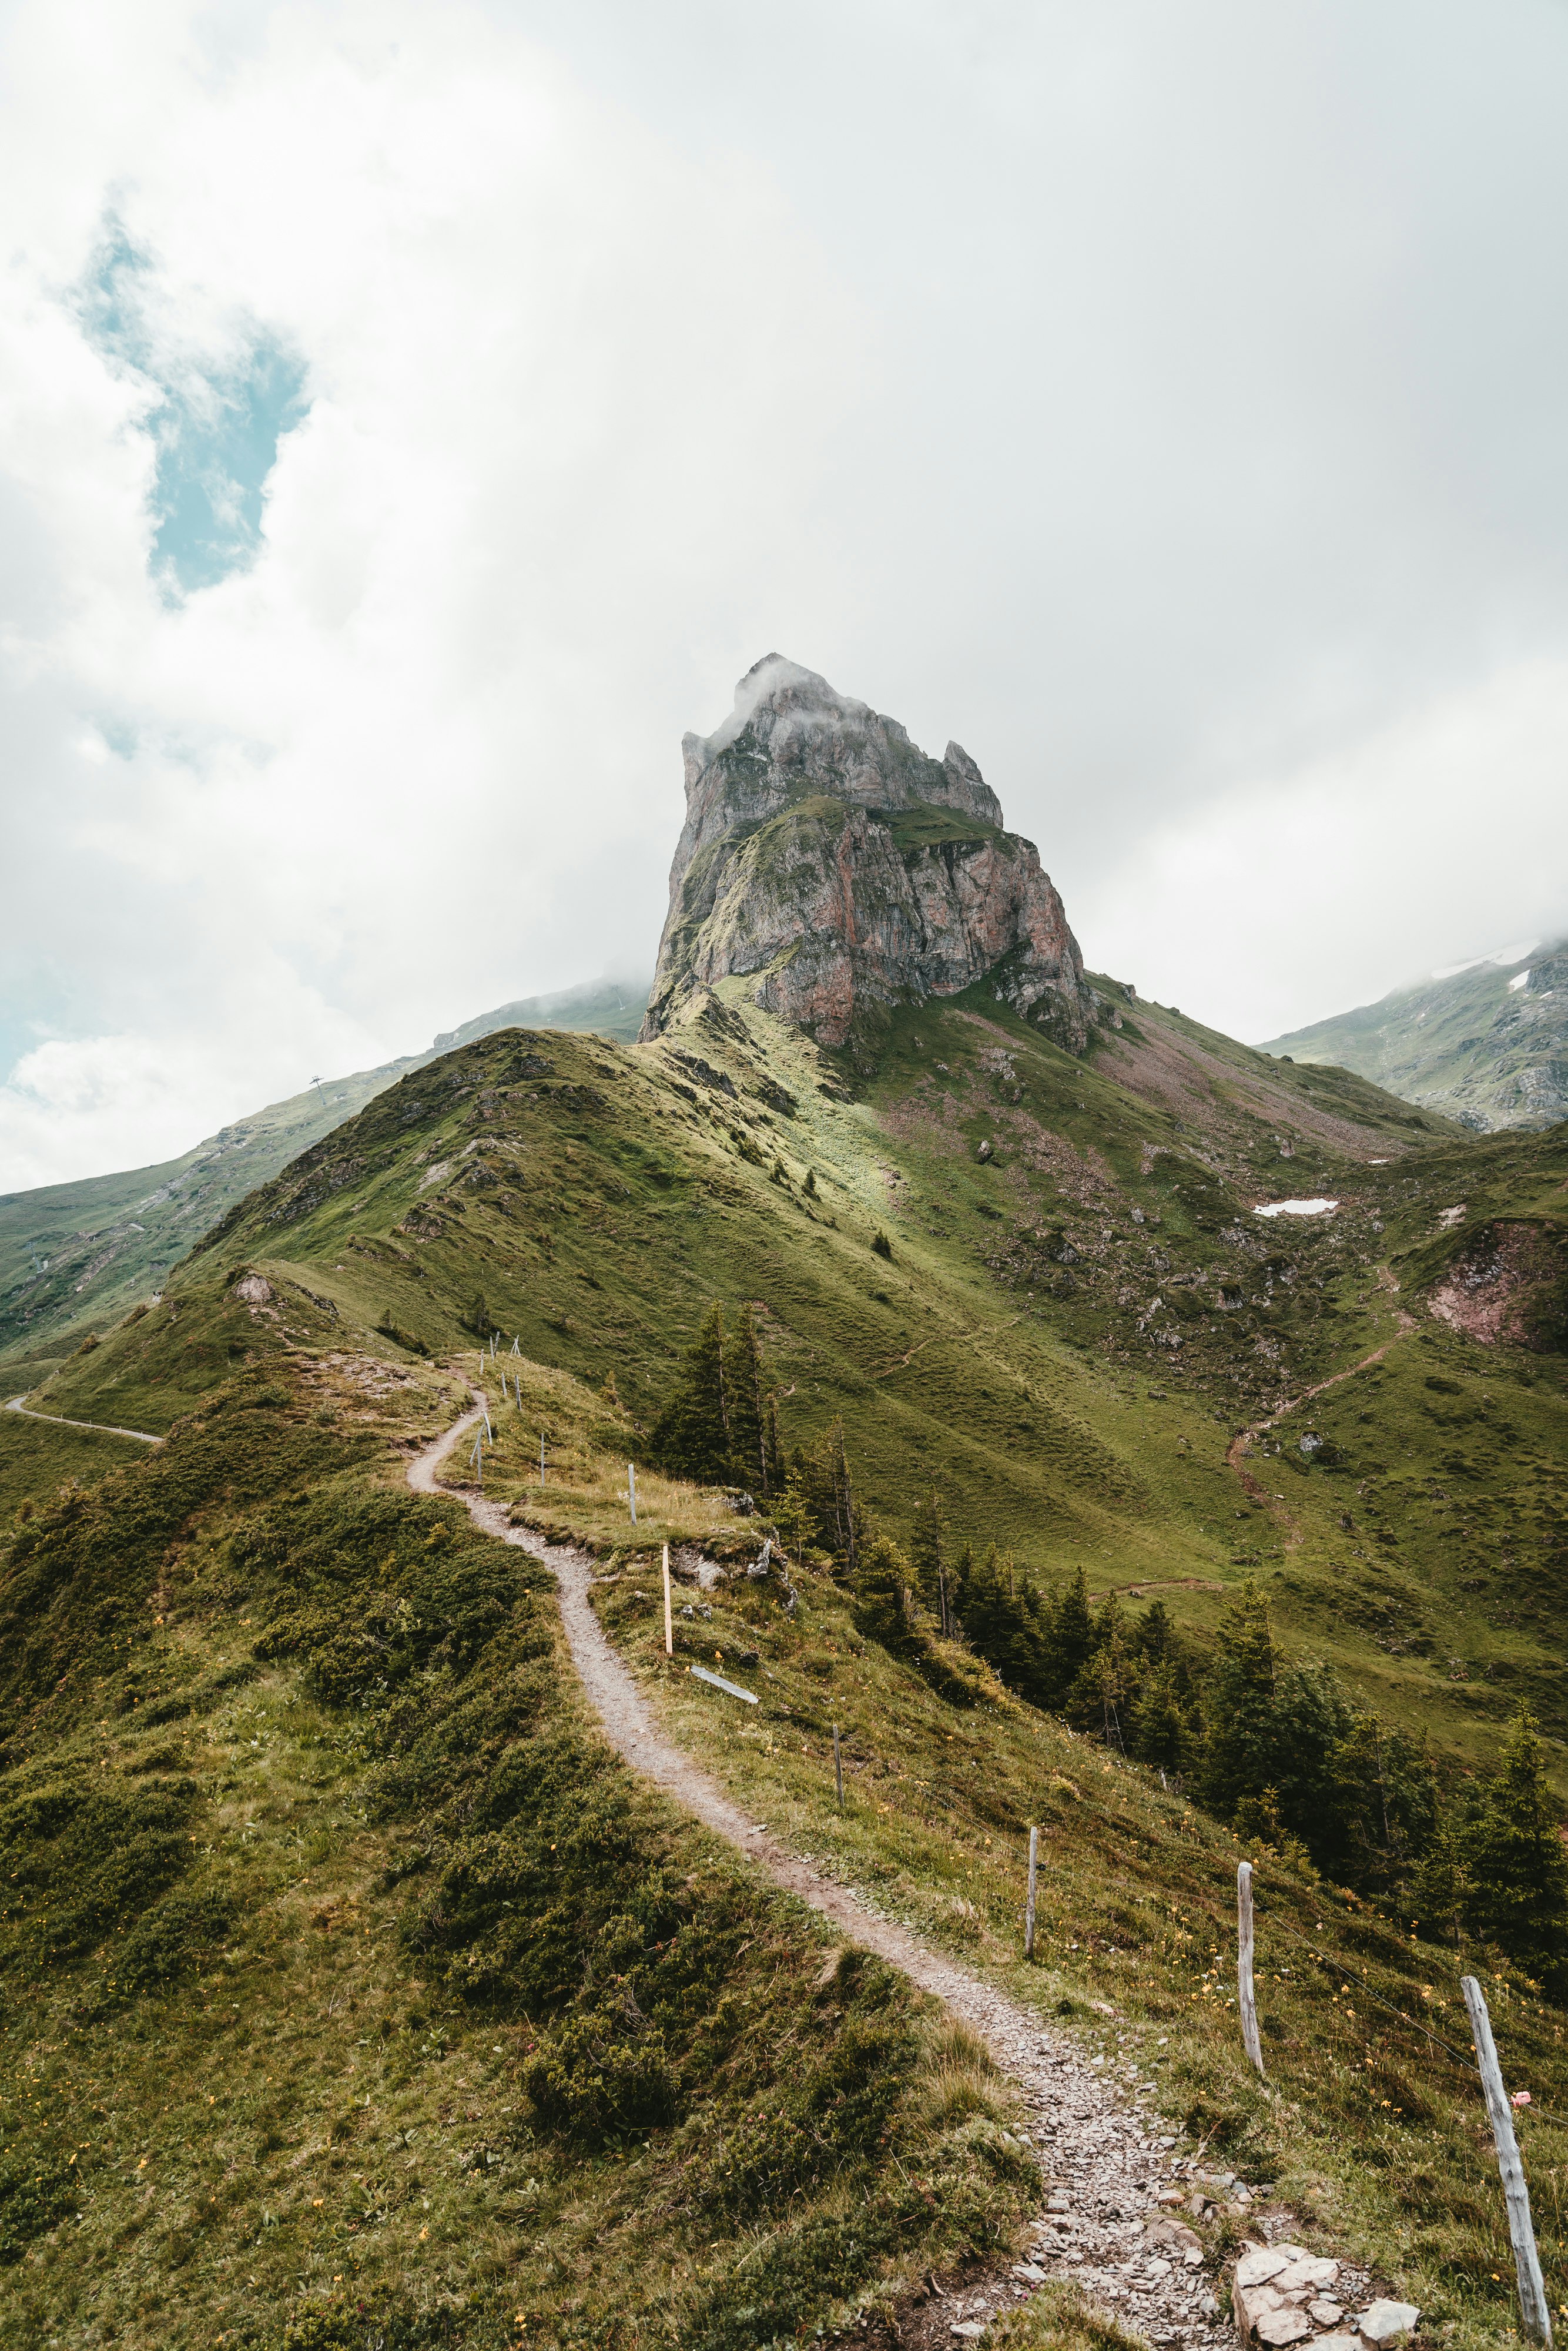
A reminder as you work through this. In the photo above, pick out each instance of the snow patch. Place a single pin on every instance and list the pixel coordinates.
(1519, 979)
(1295, 1208)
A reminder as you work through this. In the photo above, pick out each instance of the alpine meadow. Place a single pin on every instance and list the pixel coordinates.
(1058, 1419)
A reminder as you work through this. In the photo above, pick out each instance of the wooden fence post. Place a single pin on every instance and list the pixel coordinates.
(1533, 2311)
(1028, 1905)
(669, 1619)
(838, 1768)
(1254, 2047)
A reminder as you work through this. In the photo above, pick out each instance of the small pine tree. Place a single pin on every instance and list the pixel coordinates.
(1513, 1854)
(772, 1448)
(1160, 1728)
(1106, 1680)
(793, 1513)
(747, 1407)
(1069, 1640)
(839, 1517)
(1440, 1887)
(883, 1247)
(880, 1583)
(691, 1434)
(928, 1558)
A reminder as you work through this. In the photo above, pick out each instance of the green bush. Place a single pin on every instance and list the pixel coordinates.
(603, 2073)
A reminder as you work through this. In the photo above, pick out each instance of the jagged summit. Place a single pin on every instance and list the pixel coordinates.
(847, 869)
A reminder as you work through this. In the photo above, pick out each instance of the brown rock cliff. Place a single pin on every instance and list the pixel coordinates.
(828, 856)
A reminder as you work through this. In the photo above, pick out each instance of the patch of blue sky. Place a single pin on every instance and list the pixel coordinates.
(215, 423)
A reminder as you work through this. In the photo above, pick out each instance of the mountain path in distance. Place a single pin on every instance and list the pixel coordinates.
(99, 1427)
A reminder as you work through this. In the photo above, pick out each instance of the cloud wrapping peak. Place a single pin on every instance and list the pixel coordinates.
(1162, 402)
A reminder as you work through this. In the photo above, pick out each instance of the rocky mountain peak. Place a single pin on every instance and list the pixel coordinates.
(846, 869)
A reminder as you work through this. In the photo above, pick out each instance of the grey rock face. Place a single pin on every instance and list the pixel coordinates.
(828, 855)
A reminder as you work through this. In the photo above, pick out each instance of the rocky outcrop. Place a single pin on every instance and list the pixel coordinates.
(842, 870)
(1282, 2295)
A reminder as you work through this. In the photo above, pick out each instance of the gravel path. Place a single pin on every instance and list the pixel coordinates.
(1104, 2155)
(101, 1427)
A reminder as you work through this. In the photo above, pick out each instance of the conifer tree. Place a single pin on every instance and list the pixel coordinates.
(833, 1506)
(1513, 1854)
(1440, 1887)
(929, 1560)
(1160, 1729)
(1069, 1640)
(1106, 1680)
(796, 1519)
(747, 1407)
(880, 1583)
(1239, 1704)
(691, 1436)
(772, 1448)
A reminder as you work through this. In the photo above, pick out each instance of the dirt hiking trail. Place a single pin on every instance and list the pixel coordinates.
(101, 1427)
(1103, 2159)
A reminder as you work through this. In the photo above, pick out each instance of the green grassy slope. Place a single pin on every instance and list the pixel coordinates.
(75, 1256)
(1487, 1044)
(1081, 1316)
(1069, 1334)
(350, 1987)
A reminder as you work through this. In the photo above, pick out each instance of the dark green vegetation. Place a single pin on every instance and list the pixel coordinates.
(1069, 1334)
(1372, 2130)
(346, 1978)
(1078, 1319)
(36, 1461)
(75, 1256)
(1487, 1044)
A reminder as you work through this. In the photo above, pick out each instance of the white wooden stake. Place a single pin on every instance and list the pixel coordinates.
(631, 1488)
(1028, 1905)
(1253, 2046)
(669, 1619)
(1534, 2314)
(838, 1768)
(517, 1350)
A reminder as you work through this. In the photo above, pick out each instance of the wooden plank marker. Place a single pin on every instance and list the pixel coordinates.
(838, 1768)
(1248, 2005)
(669, 1618)
(631, 1488)
(1029, 1903)
(1534, 2314)
(717, 1681)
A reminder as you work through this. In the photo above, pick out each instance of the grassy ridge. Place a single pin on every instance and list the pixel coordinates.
(1070, 1332)
(347, 1980)
(1368, 2126)
(75, 1256)
(1080, 1313)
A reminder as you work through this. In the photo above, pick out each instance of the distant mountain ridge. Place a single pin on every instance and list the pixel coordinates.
(1485, 1043)
(73, 1256)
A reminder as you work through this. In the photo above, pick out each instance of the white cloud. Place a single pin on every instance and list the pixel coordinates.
(1162, 403)
(401, 754)
(1452, 823)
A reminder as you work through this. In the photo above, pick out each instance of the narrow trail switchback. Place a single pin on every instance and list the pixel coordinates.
(99, 1427)
(1102, 2157)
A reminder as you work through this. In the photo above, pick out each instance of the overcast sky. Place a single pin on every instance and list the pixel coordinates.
(413, 418)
